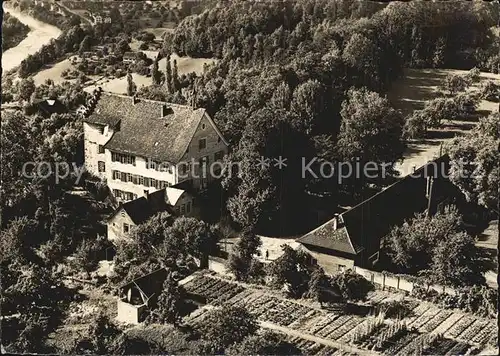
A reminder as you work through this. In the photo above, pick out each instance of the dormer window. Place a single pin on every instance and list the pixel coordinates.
(101, 129)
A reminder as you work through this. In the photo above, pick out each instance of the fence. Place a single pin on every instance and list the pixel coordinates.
(387, 281)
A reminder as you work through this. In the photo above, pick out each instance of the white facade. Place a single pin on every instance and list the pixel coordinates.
(139, 179)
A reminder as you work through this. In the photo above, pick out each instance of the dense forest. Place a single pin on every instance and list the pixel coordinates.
(13, 31)
(292, 75)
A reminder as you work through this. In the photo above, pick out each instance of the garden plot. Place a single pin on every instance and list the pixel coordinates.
(214, 290)
(418, 333)
(424, 318)
(311, 347)
(459, 327)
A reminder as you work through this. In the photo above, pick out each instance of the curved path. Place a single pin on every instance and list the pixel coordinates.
(40, 34)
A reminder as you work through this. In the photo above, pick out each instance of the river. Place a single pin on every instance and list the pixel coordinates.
(40, 34)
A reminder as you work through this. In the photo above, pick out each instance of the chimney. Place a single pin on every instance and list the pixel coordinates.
(193, 97)
(146, 194)
(135, 100)
(429, 195)
(336, 223)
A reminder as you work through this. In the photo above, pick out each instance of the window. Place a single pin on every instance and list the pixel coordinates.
(183, 168)
(219, 139)
(126, 228)
(146, 182)
(141, 180)
(218, 156)
(188, 207)
(101, 129)
(122, 158)
(101, 166)
(203, 126)
(183, 209)
(101, 149)
(116, 175)
(202, 144)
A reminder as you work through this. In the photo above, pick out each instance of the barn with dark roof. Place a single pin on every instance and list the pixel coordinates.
(354, 237)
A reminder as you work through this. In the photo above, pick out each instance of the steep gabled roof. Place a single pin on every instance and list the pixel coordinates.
(172, 195)
(143, 131)
(141, 209)
(326, 236)
(51, 106)
(149, 284)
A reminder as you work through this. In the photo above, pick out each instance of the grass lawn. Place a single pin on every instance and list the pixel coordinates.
(53, 72)
(184, 65)
(159, 32)
(411, 92)
(488, 242)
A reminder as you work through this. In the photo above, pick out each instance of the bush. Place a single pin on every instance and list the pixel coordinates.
(395, 309)
(473, 75)
(479, 300)
(415, 125)
(456, 83)
(352, 286)
(224, 327)
(465, 103)
(490, 91)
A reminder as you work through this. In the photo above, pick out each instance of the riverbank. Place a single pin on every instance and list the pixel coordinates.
(40, 34)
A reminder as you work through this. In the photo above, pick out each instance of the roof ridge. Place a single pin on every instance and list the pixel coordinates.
(150, 100)
(394, 184)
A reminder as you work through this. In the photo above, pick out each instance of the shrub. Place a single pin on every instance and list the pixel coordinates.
(490, 91)
(473, 75)
(395, 309)
(465, 103)
(224, 327)
(415, 125)
(352, 286)
(479, 300)
(456, 83)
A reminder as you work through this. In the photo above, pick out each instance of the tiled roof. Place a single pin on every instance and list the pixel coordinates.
(327, 237)
(141, 209)
(142, 130)
(150, 283)
(51, 106)
(138, 209)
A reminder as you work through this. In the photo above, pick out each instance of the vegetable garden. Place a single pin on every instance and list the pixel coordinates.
(425, 330)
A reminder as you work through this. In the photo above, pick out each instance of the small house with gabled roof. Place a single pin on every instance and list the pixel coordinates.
(174, 201)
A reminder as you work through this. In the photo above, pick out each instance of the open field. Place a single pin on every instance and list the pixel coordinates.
(53, 72)
(488, 242)
(412, 91)
(187, 65)
(159, 32)
(184, 65)
(427, 328)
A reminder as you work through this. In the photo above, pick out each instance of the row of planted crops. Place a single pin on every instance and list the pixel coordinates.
(426, 330)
